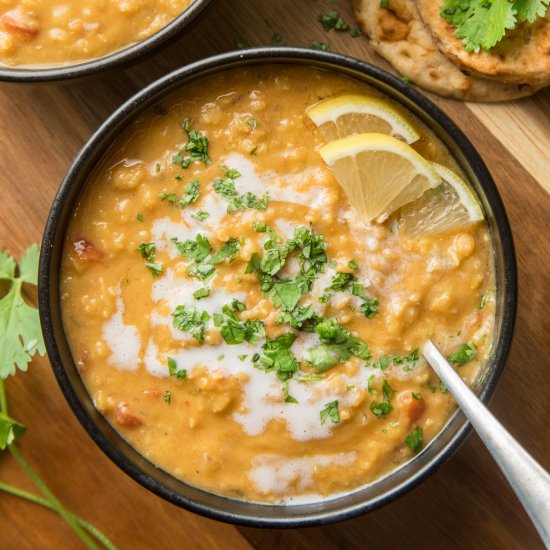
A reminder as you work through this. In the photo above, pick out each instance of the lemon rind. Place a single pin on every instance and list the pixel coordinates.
(333, 108)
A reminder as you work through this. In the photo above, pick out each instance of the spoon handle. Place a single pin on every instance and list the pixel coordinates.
(529, 480)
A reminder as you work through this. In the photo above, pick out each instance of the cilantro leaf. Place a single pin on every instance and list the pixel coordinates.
(480, 23)
(228, 250)
(529, 10)
(414, 440)
(337, 345)
(197, 147)
(466, 353)
(20, 330)
(190, 319)
(278, 356)
(173, 370)
(226, 188)
(235, 330)
(331, 411)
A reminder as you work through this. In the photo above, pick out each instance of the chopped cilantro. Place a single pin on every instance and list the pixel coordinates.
(226, 188)
(173, 369)
(331, 411)
(252, 122)
(167, 397)
(288, 397)
(370, 389)
(352, 264)
(191, 195)
(228, 250)
(466, 353)
(196, 250)
(155, 268)
(443, 388)
(302, 318)
(148, 252)
(200, 216)
(407, 362)
(417, 396)
(242, 357)
(201, 293)
(197, 147)
(323, 46)
(383, 408)
(233, 329)
(139, 217)
(337, 346)
(370, 308)
(190, 319)
(253, 151)
(414, 440)
(384, 4)
(278, 356)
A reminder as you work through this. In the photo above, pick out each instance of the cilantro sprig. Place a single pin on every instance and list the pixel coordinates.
(20, 339)
(483, 23)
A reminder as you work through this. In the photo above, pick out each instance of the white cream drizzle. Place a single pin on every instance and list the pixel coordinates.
(280, 475)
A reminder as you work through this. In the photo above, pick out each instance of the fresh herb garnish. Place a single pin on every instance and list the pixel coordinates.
(337, 346)
(20, 339)
(190, 319)
(148, 252)
(278, 356)
(323, 46)
(344, 281)
(352, 264)
(288, 397)
(228, 250)
(201, 293)
(466, 353)
(139, 217)
(383, 408)
(331, 411)
(200, 216)
(167, 398)
(414, 440)
(180, 374)
(197, 251)
(407, 362)
(226, 188)
(302, 318)
(195, 150)
(191, 195)
(233, 329)
(334, 21)
(483, 23)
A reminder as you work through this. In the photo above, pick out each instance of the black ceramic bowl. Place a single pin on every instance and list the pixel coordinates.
(121, 58)
(128, 459)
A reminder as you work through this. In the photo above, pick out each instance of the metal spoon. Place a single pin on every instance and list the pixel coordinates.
(528, 479)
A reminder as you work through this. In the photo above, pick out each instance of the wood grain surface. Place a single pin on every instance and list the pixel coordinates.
(466, 504)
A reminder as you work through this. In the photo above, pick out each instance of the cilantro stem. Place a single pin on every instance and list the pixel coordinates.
(3, 400)
(58, 507)
(46, 504)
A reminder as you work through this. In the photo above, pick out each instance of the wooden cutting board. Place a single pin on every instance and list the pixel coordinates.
(466, 504)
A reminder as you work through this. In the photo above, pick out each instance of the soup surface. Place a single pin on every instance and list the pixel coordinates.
(46, 32)
(233, 318)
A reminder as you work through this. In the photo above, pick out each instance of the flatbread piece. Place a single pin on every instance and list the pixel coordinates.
(522, 56)
(399, 35)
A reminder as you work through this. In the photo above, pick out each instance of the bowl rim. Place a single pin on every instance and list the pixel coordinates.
(79, 173)
(125, 56)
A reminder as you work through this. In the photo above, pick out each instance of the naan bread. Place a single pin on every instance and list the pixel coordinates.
(398, 34)
(522, 56)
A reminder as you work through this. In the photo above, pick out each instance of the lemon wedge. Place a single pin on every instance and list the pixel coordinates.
(378, 173)
(345, 115)
(449, 206)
